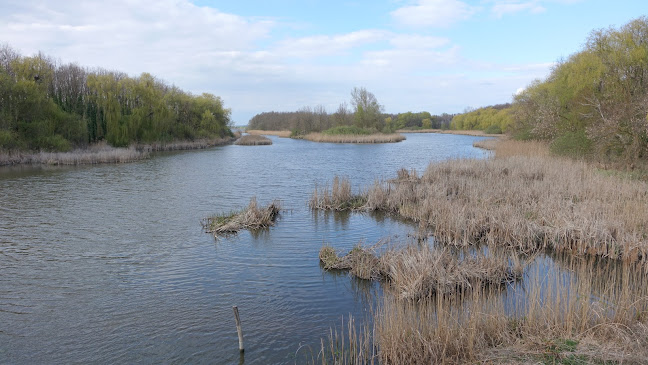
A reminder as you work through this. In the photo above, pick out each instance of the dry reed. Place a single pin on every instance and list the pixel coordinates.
(526, 203)
(253, 140)
(339, 198)
(283, 134)
(355, 138)
(418, 271)
(561, 322)
(186, 145)
(253, 217)
(98, 153)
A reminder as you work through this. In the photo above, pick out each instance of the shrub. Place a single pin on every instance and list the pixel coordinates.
(493, 129)
(573, 144)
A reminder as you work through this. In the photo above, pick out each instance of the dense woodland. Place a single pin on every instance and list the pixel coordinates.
(365, 113)
(491, 119)
(45, 105)
(595, 103)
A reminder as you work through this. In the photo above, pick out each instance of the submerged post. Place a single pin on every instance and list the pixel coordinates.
(238, 328)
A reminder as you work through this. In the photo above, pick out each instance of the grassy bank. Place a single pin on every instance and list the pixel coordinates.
(355, 138)
(103, 153)
(253, 140)
(253, 217)
(283, 134)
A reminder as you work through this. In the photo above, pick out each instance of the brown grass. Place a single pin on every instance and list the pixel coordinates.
(253, 140)
(476, 133)
(418, 271)
(186, 145)
(253, 217)
(98, 153)
(355, 138)
(561, 323)
(283, 134)
(526, 203)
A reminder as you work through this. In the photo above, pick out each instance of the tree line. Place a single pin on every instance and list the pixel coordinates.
(491, 119)
(364, 113)
(594, 103)
(52, 106)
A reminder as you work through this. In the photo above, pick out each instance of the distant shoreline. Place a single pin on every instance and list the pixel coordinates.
(103, 153)
(475, 133)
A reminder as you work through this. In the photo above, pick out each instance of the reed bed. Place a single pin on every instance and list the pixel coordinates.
(339, 197)
(253, 140)
(253, 217)
(560, 322)
(355, 138)
(476, 133)
(186, 145)
(415, 272)
(526, 203)
(95, 154)
(486, 144)
(283, 134)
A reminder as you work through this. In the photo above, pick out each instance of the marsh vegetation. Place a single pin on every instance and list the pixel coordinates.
(253, 140)
(253, 217)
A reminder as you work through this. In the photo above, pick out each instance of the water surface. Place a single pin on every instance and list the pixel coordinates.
(109, 263)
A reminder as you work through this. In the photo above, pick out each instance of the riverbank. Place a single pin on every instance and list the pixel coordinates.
(253, 140)
(104, 153)
(355, 138)
(529, 203)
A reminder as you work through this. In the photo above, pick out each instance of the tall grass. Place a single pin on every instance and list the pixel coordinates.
(99, 153)
(355, 138)
(283, 134)
(559, 322)
(476, 133)
(526, 203)
(418, 271)
(253, 140)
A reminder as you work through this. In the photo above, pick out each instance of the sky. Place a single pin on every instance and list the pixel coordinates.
(440, 56)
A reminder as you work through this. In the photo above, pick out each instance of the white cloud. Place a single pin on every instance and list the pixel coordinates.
(324, 45)
(433, 13)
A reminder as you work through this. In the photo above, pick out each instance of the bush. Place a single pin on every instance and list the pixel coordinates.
(54, 143)
(344, 129)
(573, 144)
(493, 129)
(9, 140)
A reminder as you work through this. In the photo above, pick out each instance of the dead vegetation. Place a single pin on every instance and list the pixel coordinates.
(253, 217)
(560, 322)
(253, 140)
(476, 133)
(283, 134)
(525, 203)
(355, 138)
(98, 153)
(415, 272)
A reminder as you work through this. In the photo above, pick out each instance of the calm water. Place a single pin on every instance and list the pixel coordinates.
(109, 263)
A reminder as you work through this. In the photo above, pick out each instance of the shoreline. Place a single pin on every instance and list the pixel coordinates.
(103, 153)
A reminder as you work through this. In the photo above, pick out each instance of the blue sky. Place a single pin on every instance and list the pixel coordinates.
(433, 55)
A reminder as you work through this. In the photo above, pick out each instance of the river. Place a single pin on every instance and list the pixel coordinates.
(109, 263)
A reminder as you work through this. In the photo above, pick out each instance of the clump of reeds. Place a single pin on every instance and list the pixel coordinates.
(526, 203)
(339, 198)
(487, 144)
(562, 321)
(355, 138)
(94, 154)
(253, 140)
(253, 217)
(283, 134)
(415, 272)
(185, 145)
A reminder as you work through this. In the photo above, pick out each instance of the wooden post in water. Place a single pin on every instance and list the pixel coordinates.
(238, 328)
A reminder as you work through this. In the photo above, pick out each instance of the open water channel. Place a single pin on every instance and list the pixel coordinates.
(109, 263)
